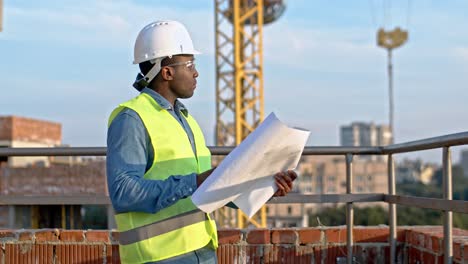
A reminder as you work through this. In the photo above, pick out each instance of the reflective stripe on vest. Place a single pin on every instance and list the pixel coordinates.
(161, 227)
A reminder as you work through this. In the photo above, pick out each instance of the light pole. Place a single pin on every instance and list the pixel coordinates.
(390, 40)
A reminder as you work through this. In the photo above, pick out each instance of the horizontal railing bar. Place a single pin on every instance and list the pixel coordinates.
(342, 150)
(54, 151)
(101, 151)
(328, 198)
(316, 150)
(429, 143)
(424, 144)
(104, 200)
(429, 203)
(91, 199)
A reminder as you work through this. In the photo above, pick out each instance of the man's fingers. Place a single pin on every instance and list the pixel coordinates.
(292, 174)
(283, 182)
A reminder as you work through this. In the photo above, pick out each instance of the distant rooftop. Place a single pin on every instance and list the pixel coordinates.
(15, 128)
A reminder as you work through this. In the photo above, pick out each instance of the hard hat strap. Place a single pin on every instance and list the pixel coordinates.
(154, 71)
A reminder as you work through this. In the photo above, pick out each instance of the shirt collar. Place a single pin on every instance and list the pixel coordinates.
(164, 103)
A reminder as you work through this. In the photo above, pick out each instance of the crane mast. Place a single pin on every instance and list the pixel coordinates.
(239, 80)
(239, 83)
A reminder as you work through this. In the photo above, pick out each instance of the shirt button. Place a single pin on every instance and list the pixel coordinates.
(190, 189)
(173, 198)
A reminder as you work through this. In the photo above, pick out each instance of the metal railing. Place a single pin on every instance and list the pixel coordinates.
(446, 204)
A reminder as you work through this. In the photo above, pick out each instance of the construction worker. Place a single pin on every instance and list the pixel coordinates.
(157, 157)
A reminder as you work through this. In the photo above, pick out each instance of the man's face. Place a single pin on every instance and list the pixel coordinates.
(185, 76)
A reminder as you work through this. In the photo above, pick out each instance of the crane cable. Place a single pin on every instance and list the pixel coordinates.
(386, 14)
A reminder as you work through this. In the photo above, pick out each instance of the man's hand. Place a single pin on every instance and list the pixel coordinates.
(284, 181)
(202, 176)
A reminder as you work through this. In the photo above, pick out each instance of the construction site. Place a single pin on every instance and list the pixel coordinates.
(367, 198)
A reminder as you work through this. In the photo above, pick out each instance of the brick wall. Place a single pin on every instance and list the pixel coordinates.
(426, 244)
(88, 178)
(305, 245)
(13, 128)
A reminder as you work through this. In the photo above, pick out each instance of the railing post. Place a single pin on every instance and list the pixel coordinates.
(447, 185)
(349, 208)
(110, 218)
(392, 208)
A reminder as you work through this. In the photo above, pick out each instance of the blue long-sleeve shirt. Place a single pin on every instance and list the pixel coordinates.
(130, 154)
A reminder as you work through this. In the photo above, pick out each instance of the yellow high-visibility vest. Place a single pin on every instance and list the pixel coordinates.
(181, 227)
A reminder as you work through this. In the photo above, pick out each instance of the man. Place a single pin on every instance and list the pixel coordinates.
(157, 157)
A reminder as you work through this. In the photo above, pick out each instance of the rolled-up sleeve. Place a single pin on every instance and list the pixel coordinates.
(128, 153)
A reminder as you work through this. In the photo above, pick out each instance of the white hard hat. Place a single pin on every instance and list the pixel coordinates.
(157, 41)
(162, 39)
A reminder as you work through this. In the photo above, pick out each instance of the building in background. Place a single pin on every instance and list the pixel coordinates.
(327, 175)
(411, 171)
(75, 181)
(366, 135)
(22, 132)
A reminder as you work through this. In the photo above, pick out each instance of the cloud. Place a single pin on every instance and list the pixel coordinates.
(324, 50)
(461, 53)
(113, 24)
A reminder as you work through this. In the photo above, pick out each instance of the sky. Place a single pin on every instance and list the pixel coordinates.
(71, 62)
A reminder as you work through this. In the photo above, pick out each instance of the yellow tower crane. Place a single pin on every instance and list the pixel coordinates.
(239, 80)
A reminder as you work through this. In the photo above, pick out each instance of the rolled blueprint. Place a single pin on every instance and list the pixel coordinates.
(246, 176)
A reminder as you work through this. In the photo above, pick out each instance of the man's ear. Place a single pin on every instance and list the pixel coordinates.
(167, 73)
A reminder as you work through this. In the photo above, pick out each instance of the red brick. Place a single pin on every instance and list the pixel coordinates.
(428, 257)
(335, 252)
(227, 254)
(401, 234)
(465, 252)
(303, 254)
(29, 253)
(419, 239)
(115, 254)
(416, 238)
(371, 234)
(283, 236)
(288, 255)
(436, 243)
(72, 236)
(229, 236)
(258, 236)
(79, 253)
(459, 232)
(457, 251)
(47, 235)
(414, 255)
(25, 236)
(309, 235)
(254, 254)
(97, 236)
(7, 233)
(318, 251)
(372, 254)
(335, 235)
